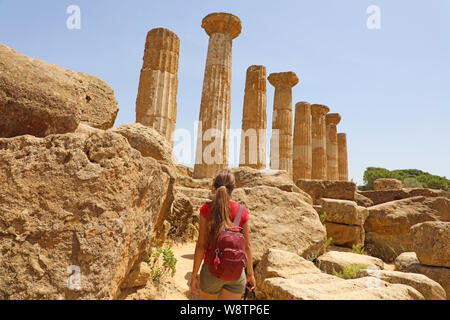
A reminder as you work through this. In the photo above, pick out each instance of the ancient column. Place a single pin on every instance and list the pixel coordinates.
(214, 118)
(319, 141)
(156, 104)
(342, 156)
(254, 119)
(332, 119)
(302, 152)
(281, 139)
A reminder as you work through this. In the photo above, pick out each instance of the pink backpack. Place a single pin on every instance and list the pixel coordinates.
(227, 256)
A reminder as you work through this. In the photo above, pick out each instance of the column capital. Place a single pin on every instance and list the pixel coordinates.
(319, 109)
(302, 104)
(332, 118)
(220, 22)
(283, 79)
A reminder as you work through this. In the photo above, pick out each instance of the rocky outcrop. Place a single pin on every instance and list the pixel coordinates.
(388, 225)
(408, 262)
(431, 242)
(430, 289)
(344, 221)
(281, 220)
(41, 98)
(383, 196)
(387, 184)
(337, 261)
(318, 189)
(363, 201)
(282, 275)
(78, 212)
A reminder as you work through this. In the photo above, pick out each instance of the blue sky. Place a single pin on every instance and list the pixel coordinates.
(391, 86)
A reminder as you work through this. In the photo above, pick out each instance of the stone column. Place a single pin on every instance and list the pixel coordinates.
(302, 153)
(281, 140)
(214, 118)
(332, 119)
(319, 141)
(254, 119)
(342, 156)
(156, 104)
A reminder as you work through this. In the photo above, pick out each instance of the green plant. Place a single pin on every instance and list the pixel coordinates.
(328, 242)
(358, 250)
(349, 272)
(161, 261)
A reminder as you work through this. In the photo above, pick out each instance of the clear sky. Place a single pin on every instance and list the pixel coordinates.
(390, 85)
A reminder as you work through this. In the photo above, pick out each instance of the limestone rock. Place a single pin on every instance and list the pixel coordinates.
(249, 177)
(382, 196)
(345, 234)
(147, 141)
(138, 276)
(281, 220)
(183, 223)
(408, 262)
(430, 289)
(431, 242)
(184, 171)
(336, 260)
(318, 189)
(363, 200)
(387, 184)
(344, 211)
(76, 201)
(41, 98)
(327, 287)
(388, 225)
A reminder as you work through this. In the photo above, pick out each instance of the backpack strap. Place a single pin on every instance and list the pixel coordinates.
(238, 217)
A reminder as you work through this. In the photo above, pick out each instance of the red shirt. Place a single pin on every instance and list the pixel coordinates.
(205, 211)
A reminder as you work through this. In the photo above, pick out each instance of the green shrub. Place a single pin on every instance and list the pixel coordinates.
(349, 272)
(358, 250)
(161, 261)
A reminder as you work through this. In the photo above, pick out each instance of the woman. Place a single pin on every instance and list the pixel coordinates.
(214, 217)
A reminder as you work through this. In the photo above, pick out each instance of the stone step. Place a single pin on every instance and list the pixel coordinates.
(194, 192)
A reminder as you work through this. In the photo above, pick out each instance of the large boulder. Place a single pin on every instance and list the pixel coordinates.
(431, 242)
(337, 261)
(430, 289)
(383, 196)
(387, 184)
(408, 262)
(40, 98)
(281, 220)
(82, 203)
(388, 225)
(332, 189)
(345, 234)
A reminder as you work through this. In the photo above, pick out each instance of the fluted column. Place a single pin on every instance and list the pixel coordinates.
(332, 119)
(342, 156)
(319, 142)
(156, 104)
(254, 119)
(281, 139)
(214, 118)
(302, 151)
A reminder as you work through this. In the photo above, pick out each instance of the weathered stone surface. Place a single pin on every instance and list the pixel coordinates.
(87, 200)
(319, 141)
(147, 141)
(388, 225)
(336, 260)
(318, 189)
(362, 200)
(183, 222)
(345, 234)
(332, 120)
(344, 211)
(408, 262)
(430, 289)
(138, 276)
(431, 242)
(41, 98)
(302, 148)
(254, 119)
(387, 184)
(383, 196)
(184, 171)
(327, 287)
(156, 103)
(214, 118)
(249, 177)
(281, 220)
(281, 140)
(342, 156)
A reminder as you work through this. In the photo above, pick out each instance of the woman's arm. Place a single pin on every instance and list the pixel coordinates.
(200, 247)
(248, 251)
